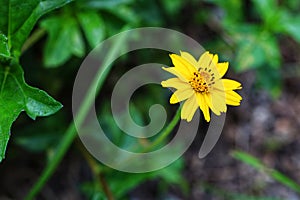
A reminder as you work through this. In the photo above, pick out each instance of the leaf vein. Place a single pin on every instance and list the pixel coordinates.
(4, 80)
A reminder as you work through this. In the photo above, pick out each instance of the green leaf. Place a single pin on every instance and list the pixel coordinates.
(270, 47)
(92, 190)
(233, 10)
(255, 48)
(266, 8)
(65, 40)
(96, 4)
(285, 180)
(249, 54)
(127, 14)
(16, 96)
(248, 159)
(270, 80)
(291, 26)
(19, 17)
(292, 5)
(37, 141)
(173, 7)
(41, 136)
(93, 27)
(170, 175)
(258, 165)
(115, 134)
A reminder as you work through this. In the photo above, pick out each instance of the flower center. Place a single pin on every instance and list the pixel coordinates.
(201, 81)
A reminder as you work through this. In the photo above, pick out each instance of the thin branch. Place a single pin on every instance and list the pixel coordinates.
(36, 35)
(96, 172)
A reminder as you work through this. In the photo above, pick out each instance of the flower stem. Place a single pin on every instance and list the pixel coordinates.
(36, 35)
(97, 171)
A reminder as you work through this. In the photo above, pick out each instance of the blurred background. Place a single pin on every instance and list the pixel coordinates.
(258, 153)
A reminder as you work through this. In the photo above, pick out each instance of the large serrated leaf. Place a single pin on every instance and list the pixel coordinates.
(19, 17)
(16, 96)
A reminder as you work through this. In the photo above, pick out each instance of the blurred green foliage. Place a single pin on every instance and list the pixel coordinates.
(122, 183)
(69, 28)
(249, 31)
(253, 30)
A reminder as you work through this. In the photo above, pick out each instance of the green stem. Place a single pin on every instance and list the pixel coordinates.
(36, 35)
(50, 168)
(97, 172)
(71, 132)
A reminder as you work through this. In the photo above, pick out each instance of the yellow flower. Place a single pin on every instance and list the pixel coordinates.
(200, 83)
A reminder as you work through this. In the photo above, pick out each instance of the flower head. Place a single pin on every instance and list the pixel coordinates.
(199, 83)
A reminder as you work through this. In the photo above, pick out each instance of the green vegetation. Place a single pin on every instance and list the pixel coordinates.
(44, 43)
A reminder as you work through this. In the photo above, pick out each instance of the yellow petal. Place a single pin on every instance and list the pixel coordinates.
(203, 106)
(222, 68)
(233, 98)
(205, 59)
(175, 71)
(180, 95)
(190, 59)
(183, 66)
(208, 101)
(189, 108)
(219, 101)
(219, 86)
(233, 95)
(232, 103)
(175, 83)
(214, 60)
(231, 84)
